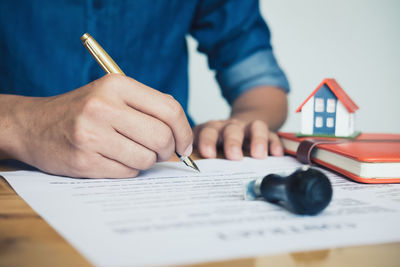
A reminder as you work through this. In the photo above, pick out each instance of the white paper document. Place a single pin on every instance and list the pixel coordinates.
(171, 215)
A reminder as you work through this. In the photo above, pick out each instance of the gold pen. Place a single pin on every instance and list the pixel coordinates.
(109, 66)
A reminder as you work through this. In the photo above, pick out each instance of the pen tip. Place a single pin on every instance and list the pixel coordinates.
(195, 167)
(190, 163)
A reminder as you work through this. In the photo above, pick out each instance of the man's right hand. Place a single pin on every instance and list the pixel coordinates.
(111, 128)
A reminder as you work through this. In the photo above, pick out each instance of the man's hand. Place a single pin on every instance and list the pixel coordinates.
(234, 135)
(113, 127)
(256, 115)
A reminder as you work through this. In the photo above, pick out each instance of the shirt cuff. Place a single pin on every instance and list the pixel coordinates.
(261, 68)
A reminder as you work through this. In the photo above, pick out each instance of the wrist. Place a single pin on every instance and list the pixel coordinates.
(11, 107)
(265, 103)
(245, 116)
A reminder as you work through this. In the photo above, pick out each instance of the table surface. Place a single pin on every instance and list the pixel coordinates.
(27, 240)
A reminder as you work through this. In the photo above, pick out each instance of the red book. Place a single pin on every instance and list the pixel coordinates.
(369, 158)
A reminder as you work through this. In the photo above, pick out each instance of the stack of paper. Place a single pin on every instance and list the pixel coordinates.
(171, 215)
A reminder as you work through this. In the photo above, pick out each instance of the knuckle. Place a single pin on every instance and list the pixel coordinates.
(165, 139)
(134, 173)
(234, 124)
(233, 121)
(112, 80)
(168, 155)
(274, 138)
(232, 130)
(93, 106)
(80, 136)
(231, 141)
(110, 85)
(147, 161)
(174, 110)
(258, 124)
(233, 138)
(169, 97)
(81, 164)
(214, 124)
(97, 107)
(187, 138)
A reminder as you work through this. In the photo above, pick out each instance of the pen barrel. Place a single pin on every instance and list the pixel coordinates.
(101, 56)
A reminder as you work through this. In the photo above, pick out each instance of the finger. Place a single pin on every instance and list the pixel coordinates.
(105, 167)
(161, 106)
(125, 151)
(258, 135)
(109, 168)
(207, 139)
(146, 131)
(233, 135)
(196, 131)
(276, 148)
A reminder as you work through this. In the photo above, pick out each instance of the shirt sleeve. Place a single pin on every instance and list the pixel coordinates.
(236, 40)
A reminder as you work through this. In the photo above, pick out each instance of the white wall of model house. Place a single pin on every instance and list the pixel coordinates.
(307, 117)
(344, 120)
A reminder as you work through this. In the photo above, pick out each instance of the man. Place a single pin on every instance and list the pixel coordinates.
(115, 126)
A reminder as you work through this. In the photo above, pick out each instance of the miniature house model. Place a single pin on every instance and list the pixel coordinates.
(328, 111)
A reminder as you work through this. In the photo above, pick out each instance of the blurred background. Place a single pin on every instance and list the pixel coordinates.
(356, 42)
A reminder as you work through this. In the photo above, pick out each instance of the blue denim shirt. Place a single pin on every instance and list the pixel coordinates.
(41, 53)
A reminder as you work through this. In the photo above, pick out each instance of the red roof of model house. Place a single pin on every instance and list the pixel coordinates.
(339, 93)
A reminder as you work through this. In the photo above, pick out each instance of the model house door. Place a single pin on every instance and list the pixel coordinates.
(324, 112)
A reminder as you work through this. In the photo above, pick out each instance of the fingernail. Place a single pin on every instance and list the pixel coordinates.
(209, 152)
(235, 153)
(278, 151)
(188, 151)
(260, 151)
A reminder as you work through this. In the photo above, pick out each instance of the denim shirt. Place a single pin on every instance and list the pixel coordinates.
(41, 53)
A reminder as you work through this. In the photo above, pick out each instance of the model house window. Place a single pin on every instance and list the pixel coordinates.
(330, 105)
(319, 104)
(329, 122)
(318, 122)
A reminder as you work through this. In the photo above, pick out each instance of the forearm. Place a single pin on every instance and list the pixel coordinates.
(268, 104)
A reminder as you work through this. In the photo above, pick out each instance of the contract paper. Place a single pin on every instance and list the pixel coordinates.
(171, 215)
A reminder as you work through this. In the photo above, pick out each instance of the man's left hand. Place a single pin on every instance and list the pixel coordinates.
(234, 136)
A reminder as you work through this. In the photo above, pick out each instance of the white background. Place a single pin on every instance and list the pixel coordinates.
(357, 42)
